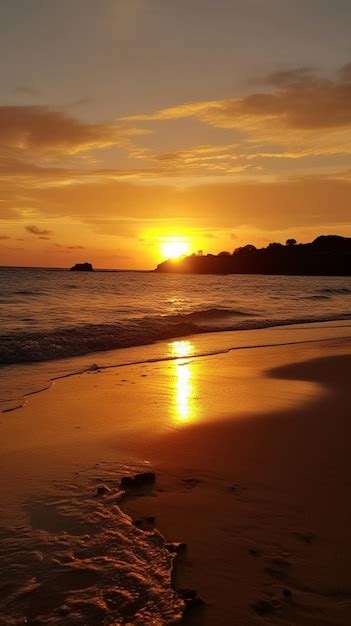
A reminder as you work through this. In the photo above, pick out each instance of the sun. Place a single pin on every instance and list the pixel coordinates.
(173, 248)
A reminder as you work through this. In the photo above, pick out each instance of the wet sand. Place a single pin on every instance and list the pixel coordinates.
(251, 453)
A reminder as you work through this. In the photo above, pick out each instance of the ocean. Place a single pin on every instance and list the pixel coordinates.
(51, 317)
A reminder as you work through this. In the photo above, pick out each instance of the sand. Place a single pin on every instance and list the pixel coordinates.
(251, 452)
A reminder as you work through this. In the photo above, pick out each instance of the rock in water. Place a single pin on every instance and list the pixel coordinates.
(175, 547)
(191, 598)
(145, 479)
(82, 267)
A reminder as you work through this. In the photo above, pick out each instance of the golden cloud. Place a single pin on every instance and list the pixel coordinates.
(40, 130)
(302, 101)
(122, 207)
(303, 115)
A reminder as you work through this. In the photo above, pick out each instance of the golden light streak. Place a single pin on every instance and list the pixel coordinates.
(184, 407)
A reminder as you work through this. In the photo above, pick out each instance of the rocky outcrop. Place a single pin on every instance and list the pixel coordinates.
(82, 267)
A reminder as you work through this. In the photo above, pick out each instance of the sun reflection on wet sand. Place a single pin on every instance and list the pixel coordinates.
(184, 406)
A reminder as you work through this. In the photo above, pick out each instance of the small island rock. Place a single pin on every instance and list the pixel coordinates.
(82, 267)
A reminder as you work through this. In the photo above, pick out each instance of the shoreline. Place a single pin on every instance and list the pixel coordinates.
(254, 482)
(54, 370)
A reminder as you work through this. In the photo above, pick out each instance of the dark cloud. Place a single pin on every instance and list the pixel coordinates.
(59, 245)
(39, 129)
(34, 230)
(296, 76)
(2, 237)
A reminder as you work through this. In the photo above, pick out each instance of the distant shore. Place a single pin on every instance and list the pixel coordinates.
(327, 255)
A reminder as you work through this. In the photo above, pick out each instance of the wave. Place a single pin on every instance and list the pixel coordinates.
(27, 292)
(316, 297)
(336, 290)
(25, 347)
(216, 313)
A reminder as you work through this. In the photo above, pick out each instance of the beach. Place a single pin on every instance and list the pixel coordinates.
(250, 452)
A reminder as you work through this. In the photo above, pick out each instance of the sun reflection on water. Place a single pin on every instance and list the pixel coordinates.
(184, 408)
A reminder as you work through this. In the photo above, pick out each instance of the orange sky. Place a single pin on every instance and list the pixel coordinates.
(125, 125)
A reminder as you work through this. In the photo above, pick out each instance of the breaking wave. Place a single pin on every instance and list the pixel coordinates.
(336, 290)
(66, 342)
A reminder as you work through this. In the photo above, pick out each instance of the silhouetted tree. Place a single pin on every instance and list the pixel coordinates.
(274, 246)
(291, 242)
(245, 249)
(224, 253)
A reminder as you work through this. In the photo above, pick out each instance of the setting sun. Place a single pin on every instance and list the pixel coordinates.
(173, 248)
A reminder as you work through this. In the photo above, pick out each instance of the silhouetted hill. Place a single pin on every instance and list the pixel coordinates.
(328, 255)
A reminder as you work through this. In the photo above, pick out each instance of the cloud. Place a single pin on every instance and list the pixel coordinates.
(32, 173)
(209, 158)
(125, 209)
(298, 115)
(298, 76)
(180, 111)
(59, 245)
(34, 230)
(2, 237)
(302, 100)
(38, 129)
(297, 118)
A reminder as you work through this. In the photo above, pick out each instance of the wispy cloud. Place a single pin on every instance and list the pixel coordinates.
(66, 247)
(298, 114)
(301, 100)
(34, 230)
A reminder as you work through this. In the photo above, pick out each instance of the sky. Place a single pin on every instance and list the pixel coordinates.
(133, 129)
